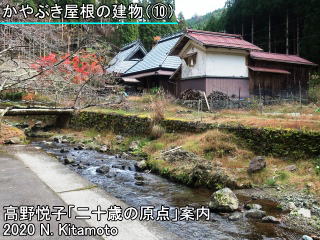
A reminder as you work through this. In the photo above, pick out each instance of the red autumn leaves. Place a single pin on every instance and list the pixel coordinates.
(77, 69)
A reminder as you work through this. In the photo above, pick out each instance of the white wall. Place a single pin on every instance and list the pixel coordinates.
(228, 64)
(199, 69)
(215, 62)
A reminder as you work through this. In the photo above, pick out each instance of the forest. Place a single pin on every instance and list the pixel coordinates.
(281, 26)
(126, 33)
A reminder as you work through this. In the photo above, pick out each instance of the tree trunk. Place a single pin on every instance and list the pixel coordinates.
(298, 38)
(269, 33)
(252, 30)
(287, 34)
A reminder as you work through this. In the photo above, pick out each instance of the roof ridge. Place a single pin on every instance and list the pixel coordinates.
(170, 36)
(214, 33)
(131, 44)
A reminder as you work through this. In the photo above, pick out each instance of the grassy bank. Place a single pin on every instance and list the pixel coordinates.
(222, 160)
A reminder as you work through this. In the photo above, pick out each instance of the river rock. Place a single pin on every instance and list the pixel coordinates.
(139, 177)
(139, 183)
(68, 160)
(79, 148)
(141, 166)
(303, 212)
(81, 166)
(103, 169)
(253, 206)
(63, 150)
(119, 139)
(134, 146)
(305, 237)
(23, 125)
(271, 219)
(14, 140)
(235, 217)
(257, 164)
(255, 213)
(125, 156)
(224, 200)
(104, 149)
(291, 206)
(291, 168)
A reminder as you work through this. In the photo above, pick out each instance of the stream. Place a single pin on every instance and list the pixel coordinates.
(156, 191)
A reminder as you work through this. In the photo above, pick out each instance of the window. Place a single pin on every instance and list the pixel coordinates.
(191, 59)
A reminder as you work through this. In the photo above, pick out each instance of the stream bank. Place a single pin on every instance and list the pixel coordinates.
(222, 151)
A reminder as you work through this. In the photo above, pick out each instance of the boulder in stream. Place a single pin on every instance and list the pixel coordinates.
(255, 214)
(271, 219)
(141, 166)
(235, 216)
(68, 160)
(253, 206)
(104, 169)
(14, 140)
(224, 200)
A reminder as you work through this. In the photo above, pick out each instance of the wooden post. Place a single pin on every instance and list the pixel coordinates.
(239, 98)
(205, 97)
(300, 94)
(260, 98)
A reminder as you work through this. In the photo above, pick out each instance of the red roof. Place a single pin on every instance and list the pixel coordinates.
(270, 70)
(276, 57)
(221, 40)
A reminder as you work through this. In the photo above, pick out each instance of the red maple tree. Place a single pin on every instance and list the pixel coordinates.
(77, 68)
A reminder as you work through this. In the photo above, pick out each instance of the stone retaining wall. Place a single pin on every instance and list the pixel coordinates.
(293, 144)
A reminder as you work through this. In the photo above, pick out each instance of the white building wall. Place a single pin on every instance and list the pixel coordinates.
(199, 69)
(226, 64)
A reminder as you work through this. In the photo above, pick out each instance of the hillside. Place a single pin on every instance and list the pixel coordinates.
(200, 22)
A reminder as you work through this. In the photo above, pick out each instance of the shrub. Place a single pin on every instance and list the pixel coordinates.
(156, 131)
(271, 182)
(12, 96)
(158, 110)
(314, 93)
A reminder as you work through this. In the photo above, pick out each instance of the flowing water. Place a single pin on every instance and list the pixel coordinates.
(120, 182)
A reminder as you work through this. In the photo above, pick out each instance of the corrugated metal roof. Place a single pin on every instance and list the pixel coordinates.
(276, 57)
(221, 40)
(269, 70)
(158, 57)
(121, 62)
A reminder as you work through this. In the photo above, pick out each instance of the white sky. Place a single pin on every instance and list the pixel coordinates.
(189, 8)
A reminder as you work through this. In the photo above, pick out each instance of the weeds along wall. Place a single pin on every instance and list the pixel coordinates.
(283, 143)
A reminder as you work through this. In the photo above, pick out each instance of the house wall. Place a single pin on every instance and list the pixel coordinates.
(226, 63)
(199, 69)
(279, 84)
(197, 84)
(229, 86)
(217, 62)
